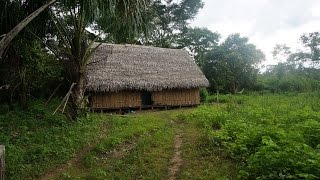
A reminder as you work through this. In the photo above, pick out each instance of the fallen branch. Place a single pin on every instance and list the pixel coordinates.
(54, 92)
(6, 40)
(65, 99)
(240, 91)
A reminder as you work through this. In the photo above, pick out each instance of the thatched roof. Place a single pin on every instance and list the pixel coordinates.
(132, 67)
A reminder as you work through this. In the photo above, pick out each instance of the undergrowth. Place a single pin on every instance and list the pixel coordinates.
(268, 136)
(257, 136)
(37, 141)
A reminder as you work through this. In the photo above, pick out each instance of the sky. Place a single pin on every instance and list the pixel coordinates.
(265, 22)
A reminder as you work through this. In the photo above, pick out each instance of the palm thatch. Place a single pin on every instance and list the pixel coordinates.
(131, 67)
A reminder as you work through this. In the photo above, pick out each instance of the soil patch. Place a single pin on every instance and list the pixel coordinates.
(177, 160)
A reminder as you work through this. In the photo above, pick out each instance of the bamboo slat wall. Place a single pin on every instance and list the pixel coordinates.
(126, 99)
(177, 97)
(116, 100)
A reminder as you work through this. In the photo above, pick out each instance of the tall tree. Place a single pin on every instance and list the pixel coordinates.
(166, 19)
(311, 55)
(72, 17)
(281, 52)
(233, 65)
(198, 41)
(17, 41)
(171, 19)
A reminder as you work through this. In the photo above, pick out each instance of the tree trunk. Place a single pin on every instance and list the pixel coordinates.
(76, 103)
(4, 43)
(235, 87)
(23, 88)
(79, 90)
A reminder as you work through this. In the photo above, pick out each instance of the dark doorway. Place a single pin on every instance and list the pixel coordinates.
(146, 98)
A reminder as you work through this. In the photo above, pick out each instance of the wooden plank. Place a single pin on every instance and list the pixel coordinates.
(2, 162)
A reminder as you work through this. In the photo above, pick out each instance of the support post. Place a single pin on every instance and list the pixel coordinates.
(217, 96)
(2, 162)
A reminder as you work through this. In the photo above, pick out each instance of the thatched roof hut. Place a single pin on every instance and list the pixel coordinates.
(132, 68)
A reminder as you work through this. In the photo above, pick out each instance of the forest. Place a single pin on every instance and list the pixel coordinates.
(255, 121)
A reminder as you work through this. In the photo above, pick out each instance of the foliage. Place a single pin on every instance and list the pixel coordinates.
(269, 136)
(233, 65)
(69, 40)
(203, 95)
(74, 48)
(296, 71)
(37, 141)
(169, 21)
(19, 8)
(164, 24)
(26, 66)
(198, 41)
(35, 73)
(310, 55)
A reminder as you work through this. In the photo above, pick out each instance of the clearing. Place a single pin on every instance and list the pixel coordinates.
(146, 145)
(268, 136)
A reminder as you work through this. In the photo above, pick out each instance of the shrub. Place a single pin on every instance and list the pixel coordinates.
(203, 95)
(269, 136)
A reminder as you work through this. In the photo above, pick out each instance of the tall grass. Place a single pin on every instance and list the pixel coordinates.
(268, 136)
(37, 141)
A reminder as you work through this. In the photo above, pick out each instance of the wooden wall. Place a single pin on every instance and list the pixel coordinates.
(115, 100)
(176, 97)
(126, 99)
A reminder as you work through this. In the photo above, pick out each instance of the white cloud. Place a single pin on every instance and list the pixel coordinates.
(265, 22)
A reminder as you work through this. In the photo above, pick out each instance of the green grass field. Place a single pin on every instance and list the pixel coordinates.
(242, 137)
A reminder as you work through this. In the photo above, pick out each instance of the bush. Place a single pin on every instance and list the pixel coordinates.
(203, 95)
(269, 136)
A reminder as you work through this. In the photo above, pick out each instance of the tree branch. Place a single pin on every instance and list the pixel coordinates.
(4, 43)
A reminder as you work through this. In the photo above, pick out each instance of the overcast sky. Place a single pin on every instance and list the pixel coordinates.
(265, 22)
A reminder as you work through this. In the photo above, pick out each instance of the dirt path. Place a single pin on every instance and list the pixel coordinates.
(73, 161)
(176, 160)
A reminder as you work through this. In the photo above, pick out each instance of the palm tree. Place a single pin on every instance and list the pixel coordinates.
(72, 18)
(7, 38)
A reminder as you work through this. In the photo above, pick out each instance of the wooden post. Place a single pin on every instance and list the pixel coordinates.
(2, 162)
(217, 96)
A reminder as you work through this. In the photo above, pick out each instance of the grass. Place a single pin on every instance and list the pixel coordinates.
(200, 162)
(145, 133)
(268, 136)
(36, 141)
(152, 136)
(246, 136)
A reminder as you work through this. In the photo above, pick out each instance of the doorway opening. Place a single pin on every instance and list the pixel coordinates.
(146, 98)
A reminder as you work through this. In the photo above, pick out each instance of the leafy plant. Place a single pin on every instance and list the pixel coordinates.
(269, 136)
